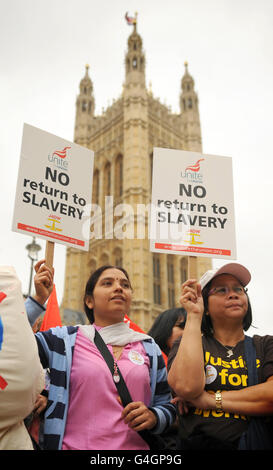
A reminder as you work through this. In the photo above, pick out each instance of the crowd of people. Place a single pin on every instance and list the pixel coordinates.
(187, 380)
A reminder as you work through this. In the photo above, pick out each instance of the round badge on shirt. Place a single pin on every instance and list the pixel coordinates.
(211, 374)
(136, 357)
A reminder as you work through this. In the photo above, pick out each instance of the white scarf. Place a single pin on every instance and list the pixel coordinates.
(118, 334)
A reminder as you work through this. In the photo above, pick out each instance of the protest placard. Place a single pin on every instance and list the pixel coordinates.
(192, 206)
(54, 187)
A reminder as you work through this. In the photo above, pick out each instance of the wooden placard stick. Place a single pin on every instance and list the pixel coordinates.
(49, 254)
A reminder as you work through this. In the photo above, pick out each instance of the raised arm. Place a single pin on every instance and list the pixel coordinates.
(43, 281)
(186, 376)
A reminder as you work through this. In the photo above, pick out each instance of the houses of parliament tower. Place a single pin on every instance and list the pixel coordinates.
(122, 139)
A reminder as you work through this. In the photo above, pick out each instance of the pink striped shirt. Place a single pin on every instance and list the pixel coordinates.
(94, 415)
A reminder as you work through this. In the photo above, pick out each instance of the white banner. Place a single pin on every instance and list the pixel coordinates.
(53, 189)
(192, 204)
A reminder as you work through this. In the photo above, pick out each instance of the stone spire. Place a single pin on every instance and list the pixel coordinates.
(188, 97)
(135, 58)
(190, 112)
(85, 107)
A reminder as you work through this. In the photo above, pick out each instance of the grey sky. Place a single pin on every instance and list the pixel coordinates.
(44, 46)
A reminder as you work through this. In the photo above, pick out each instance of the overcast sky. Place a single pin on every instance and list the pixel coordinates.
(44, 47)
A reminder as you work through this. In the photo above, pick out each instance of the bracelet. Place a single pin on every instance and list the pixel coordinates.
(218, 400)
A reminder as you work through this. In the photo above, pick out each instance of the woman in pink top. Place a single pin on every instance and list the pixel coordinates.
(88, 414)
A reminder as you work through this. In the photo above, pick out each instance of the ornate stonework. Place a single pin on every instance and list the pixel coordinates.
(123, 138)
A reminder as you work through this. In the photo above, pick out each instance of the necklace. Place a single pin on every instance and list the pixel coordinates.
(116, 376)
(229, 350)
(117, 351)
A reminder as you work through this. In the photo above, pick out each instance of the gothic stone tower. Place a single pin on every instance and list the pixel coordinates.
(123, 138)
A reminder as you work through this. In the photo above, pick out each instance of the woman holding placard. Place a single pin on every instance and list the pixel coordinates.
(211, 369)
(84, 407)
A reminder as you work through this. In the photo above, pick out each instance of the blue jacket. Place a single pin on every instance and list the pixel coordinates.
(56, 348)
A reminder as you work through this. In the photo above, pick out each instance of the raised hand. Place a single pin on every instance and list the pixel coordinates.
(191, 298)
(43, 281)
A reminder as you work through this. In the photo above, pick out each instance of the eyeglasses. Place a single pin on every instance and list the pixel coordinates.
(224, 290)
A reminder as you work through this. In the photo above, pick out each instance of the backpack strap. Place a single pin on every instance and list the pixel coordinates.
(152, 440)
(107, 356)
(250, 357)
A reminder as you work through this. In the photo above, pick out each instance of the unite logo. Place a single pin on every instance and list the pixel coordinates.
(192, 172)
(196, 166)
(58, 158)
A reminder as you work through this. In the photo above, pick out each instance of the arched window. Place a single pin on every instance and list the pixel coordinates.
(104, 259)
(134, 63)
(96, 181)
(170, 273)
(118, 177)
(190, 103)
(107, 180)
(118, 257)
(84, 106)
(183, 270)
(92, 266)
(156, 279)
(151, 170)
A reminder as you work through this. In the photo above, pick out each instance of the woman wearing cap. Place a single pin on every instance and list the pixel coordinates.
(207, 369)
(84, 409)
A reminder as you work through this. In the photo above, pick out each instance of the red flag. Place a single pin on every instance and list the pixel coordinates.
(3, 383)
(130, 19)
(133, 325)
(165, 358)
(52, 315)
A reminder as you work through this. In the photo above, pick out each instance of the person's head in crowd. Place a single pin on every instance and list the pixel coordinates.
(108, 295)
(168, 327)
(215, 283)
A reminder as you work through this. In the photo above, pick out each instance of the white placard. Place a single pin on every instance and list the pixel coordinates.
(54, 189)
(192, 210)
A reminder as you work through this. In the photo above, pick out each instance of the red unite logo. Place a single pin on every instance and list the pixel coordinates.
(61, 153)
(196, 166)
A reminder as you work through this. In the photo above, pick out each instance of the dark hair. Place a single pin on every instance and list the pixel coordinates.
(207, 327)
(90, 286)
(162, 327)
